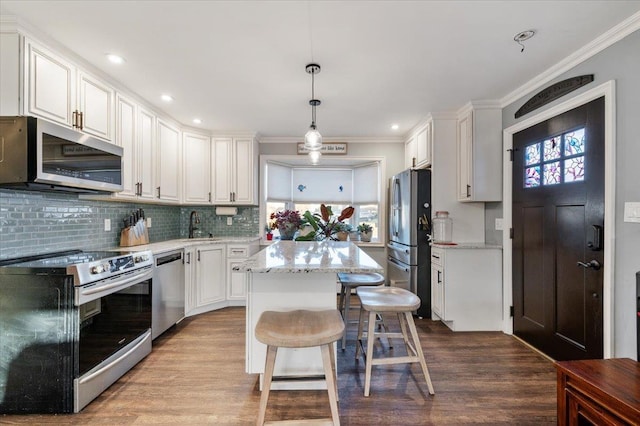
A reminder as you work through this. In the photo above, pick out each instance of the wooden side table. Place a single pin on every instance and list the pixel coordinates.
(599, 392)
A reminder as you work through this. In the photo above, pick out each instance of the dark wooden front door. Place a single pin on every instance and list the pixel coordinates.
(558, 230)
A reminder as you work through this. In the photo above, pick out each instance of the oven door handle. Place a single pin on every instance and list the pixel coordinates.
(115, 362)
(140, 277)
(398, 264)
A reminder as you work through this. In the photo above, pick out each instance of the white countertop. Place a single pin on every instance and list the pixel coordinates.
(169, 245)
(478, 245)
(311, 256)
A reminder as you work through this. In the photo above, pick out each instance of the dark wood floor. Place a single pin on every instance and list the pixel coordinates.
(195, 375)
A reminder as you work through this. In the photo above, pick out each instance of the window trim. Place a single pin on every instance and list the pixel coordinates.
(349, 161)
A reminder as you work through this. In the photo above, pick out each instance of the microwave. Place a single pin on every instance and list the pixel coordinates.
(39, 155)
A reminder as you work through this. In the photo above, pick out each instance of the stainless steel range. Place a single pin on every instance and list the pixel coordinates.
(71, 324)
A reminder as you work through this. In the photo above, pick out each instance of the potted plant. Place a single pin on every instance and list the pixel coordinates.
(342, 231)
(365, 231)
(268, 228)
(287, 222)
(324, 225)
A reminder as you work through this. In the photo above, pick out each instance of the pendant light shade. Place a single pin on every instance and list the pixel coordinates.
(314, 157)
(313, 138)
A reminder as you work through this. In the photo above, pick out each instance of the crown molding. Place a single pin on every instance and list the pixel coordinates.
(346, 139)
(607, 39)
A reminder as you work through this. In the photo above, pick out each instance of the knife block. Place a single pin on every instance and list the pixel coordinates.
(128, 237)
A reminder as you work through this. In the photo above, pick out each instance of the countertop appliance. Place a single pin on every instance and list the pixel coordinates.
(168, 291)
(40, 155)
(409, 253)
(72, 323)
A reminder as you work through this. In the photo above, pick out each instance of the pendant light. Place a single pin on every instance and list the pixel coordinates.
(313, 138)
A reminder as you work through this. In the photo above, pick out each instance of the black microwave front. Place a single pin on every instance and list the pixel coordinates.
(40, 155)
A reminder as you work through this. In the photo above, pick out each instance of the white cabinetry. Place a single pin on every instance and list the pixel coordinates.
(169, 164)
(479, 153)
(419, 146)
(466, 287)
(196, 164)
(205, 277)
(58, 91)
(135, 133)
(410, 152)
(237, 281)
(235, 177)
(468, 218)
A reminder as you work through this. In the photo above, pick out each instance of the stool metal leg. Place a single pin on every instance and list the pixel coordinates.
(369, 354)
(416, 342)
(266, 382)
(329, 373)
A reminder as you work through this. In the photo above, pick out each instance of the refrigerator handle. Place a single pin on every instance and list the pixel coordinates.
(398, 264)
(396, 206)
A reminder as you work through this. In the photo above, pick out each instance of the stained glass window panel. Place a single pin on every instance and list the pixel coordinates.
(574, 142)
(552, 148)
(574, 169)
(532, 154)
(551, 174)
(532, 177)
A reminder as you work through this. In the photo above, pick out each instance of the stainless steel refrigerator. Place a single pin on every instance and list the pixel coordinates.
(409, 253)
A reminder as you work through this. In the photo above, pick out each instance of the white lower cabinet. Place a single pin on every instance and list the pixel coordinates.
(211, 282)
(466, 287)
(237, 281)
(206, 278)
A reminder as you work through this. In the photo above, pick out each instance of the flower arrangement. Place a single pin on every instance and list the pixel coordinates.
(287, 222)
(324, 225)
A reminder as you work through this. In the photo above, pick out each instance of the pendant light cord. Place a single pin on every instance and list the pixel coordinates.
(313, 97)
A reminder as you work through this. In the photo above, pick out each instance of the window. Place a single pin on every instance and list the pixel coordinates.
(556, 160)
(302, 188)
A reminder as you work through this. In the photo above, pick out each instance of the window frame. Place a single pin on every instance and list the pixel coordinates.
(350, 162)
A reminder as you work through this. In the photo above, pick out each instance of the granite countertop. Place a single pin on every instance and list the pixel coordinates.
(478, 245)
(313, 256)
(169, 245)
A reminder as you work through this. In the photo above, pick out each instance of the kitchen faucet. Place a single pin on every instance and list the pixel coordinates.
(193, 219)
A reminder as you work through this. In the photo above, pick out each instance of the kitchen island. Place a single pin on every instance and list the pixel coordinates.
(296, 275)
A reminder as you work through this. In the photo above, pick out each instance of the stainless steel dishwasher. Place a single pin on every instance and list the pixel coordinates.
(168, 291)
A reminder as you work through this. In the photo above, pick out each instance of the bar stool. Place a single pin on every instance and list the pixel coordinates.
(389, 300)
(349, 281)
(300, 329)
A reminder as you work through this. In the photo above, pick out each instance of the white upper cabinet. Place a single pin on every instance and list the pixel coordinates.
(196, 163)
(51, 87)
(479, 152)
(135, 133)
(60, 92)
(126, 138)
(424, 141)
(234, 177)
(169, 162)
(418, 147)
(95, 106)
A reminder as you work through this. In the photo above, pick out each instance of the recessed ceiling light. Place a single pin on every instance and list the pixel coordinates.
(394, 127)
(115, 59)
(167, 98)
(197, 121)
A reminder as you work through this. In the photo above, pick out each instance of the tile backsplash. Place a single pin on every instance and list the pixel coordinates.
(42, 222)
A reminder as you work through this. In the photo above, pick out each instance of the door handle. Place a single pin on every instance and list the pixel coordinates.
(594, 264)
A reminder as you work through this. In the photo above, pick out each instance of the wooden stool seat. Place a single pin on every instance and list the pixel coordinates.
(390, 300)
(300, 329)
(348, 282)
